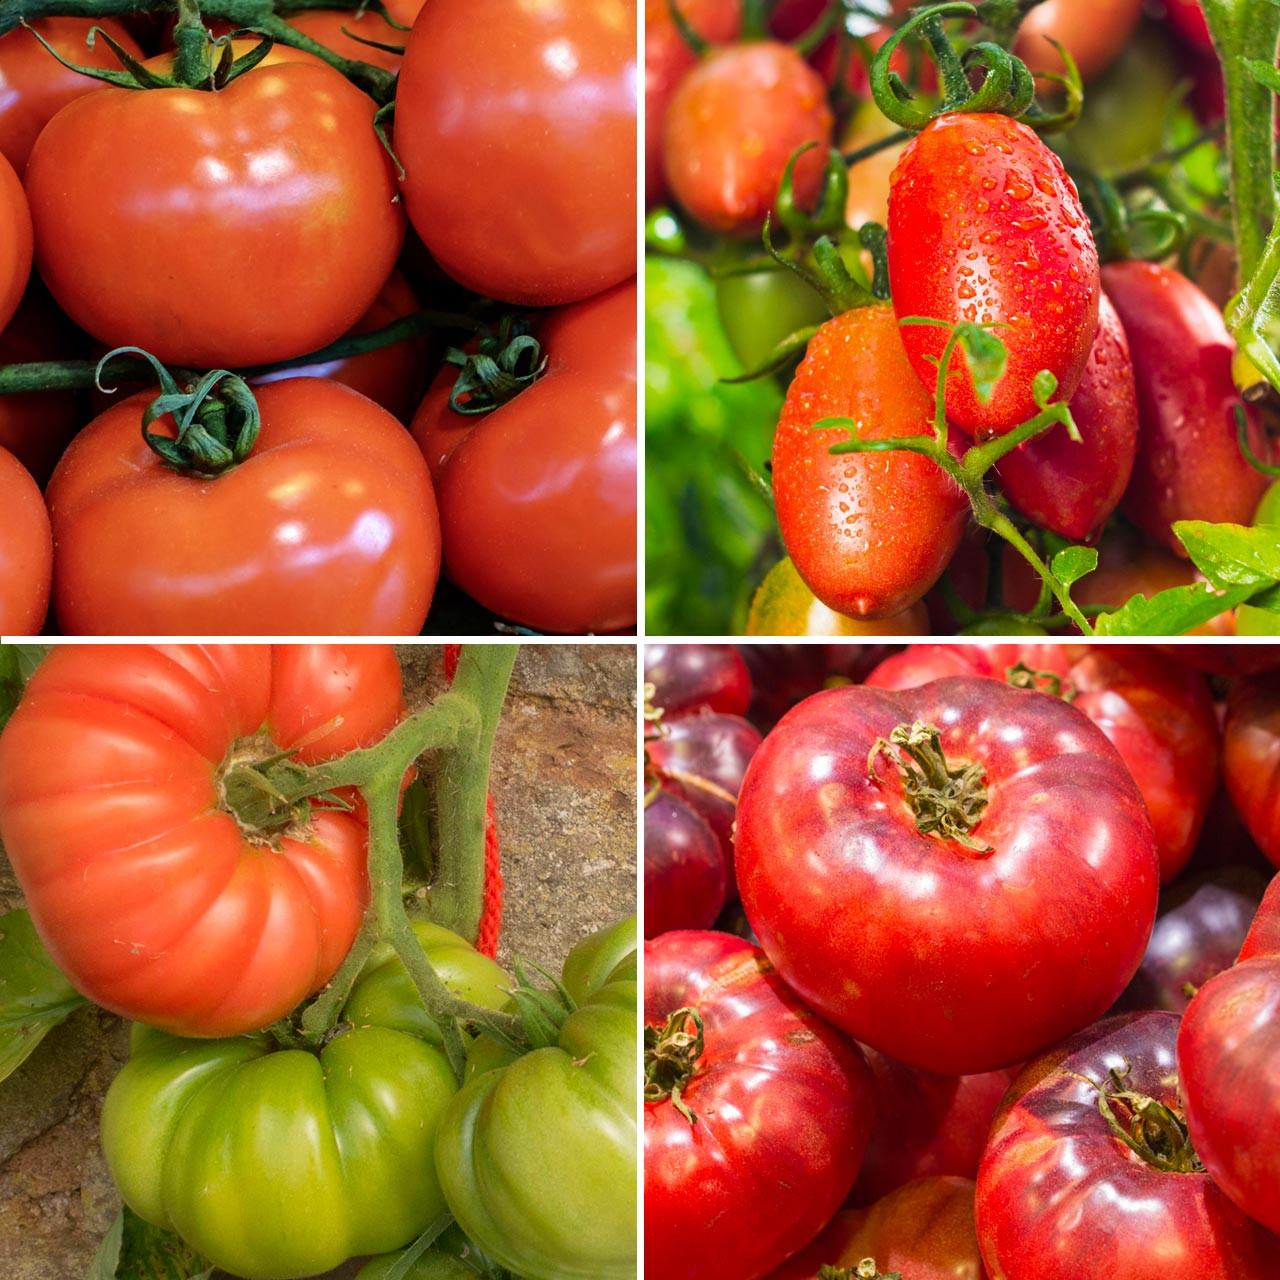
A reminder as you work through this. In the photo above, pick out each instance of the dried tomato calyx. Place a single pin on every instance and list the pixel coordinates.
(1150, 1129)
(267, 792)
(671, 1055)
(1021, 676)
(865, 1270)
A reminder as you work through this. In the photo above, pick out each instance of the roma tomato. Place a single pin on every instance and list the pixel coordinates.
(756, 1112)
(957, 875)
(986, 227)
(869, 533)
(732, 125)
(329, 526)
(1069, 488)
(1251, 759)
(270, 201)
(686, 875)
(155, 884)
(697, 677)
(15, 242)
(1064, 1194)
(26, 551)
(1189, 465)
(538, 497)
(570, 1107)
(1093, 31)
(537, 103)
(784, 606)
(34, 85)
(923, 1231)
(283, 1163)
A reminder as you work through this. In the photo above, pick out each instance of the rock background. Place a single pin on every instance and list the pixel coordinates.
(564, 786)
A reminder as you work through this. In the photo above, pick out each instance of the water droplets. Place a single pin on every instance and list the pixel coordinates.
(1017, 187)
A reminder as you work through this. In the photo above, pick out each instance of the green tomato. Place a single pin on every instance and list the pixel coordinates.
(538, 1158)
(281, 1163)
(763, 308)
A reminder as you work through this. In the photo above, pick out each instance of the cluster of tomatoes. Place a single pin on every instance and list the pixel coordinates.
(1001, 997)
(221, 210)
(985, 229)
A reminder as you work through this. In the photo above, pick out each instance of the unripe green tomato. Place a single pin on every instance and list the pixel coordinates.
(763, 308)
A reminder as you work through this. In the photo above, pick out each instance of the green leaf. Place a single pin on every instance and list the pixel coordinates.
(1268, 598)
(1264, 73)
(987, 358)
(17, 662)
(135, 1250)
(1231, 554)
(34, 995)
(1072, 563)
(1171, 613)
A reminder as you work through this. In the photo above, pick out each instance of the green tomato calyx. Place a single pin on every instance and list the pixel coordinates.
(671, 1056)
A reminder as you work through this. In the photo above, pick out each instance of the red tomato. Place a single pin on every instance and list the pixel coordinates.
(985, 226)
(1251, 759)
(697, 677)
(1093, 31)
(1263, 938)
(732, 125)
(667, 57)
(922, 1231)
(1186, 17)
(1189, 465)
(869, 533)
(1227, 660)
(538, 497)
(685, 873)
(782, 1106)
(26, 551)
(516, 127)
(34, 85)
(270, 202)
(328, 527)
(1058, 1185)
(330, 27)
(115, 814)
(1069, 488)
(783, 674)
(1159, 717)
(949, 958)
(15, 242)
(1229, 1061)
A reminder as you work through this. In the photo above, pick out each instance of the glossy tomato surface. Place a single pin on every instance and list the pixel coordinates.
(15, 242)
(697, 677)
(516, 127)
(26, 551)
(1061, 1197)
(270, 201)
(1263, 938)
(686, 874)
(1251, 759)
(538, 497)
(328, 527)
(953, 959)
(782, 1104)
(145, 889)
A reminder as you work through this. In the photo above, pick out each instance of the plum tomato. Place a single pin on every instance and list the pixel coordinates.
(1093, 31)
(784, 606)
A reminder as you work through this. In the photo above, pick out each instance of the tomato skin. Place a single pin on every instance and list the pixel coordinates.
(985, 225)
(1187, 18)
(15, 242)
(697, 678)
(111, 815)
(954, 961)
(1189, 466)
(495, 1143)
(1056, 1186)
(270, 201)
(784, 1108)
(282, 1164)
(784, 606)
(869, 533)
(26, 551)
(326, 26)
(1263, 938)
(538, 497)
(329, 526)
(1094, 32)
(923, 1230)
(685, 869)
(1251, 759)
(538, 104)
(1071, 488)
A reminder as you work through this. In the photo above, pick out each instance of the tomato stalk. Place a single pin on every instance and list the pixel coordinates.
(671, 1057)
(1151, 1130)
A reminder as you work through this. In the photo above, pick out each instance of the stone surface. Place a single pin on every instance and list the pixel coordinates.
(564, 784)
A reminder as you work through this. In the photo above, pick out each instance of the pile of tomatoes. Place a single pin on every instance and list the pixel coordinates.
(994, 218)
(226, 211)
(968, 967)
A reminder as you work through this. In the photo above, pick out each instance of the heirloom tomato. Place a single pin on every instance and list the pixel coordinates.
(756, 1112)
(958, 874)
(686, 877)
(26, 551)
(127, 810)
(15, 242)
(697, 677)
(1251, 759)
(1263, 938)
(276, 1163)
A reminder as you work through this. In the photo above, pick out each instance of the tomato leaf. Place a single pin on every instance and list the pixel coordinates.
(1268, 599)
(1072, 563)
(17, 663)
(34, 995)
(987, 358)
(1264, 73)
(135, 1250)
(1173, 612)
(1232, 554)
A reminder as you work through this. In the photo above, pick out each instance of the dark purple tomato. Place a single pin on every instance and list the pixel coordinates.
(697, 677)
(784, 674)
(685, 876)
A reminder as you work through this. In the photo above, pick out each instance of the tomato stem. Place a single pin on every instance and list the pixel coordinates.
(1154, 1132)
(671, 1056)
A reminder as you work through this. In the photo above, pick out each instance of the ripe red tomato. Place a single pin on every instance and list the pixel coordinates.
(26, 551)
(15, 242)
(985, 226)
(1186, 17)
(731, 126)
(698, 677)
(947, 957)
(923, 1231)
(328, 527)
(269, 201)
(1058, 1184)
(1263, 938)
(330, 27)
(536, 105)
(782, 1105)
(869, 533)
(1160, 717)
(667, 57)
(686, 875)
(1071, 488)
(1093, 31)
(118, 818)
(538, 497)
(34, 85)
(1251, 759)
(1189, 465)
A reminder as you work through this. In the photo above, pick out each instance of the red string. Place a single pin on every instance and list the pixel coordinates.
(491, 912)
